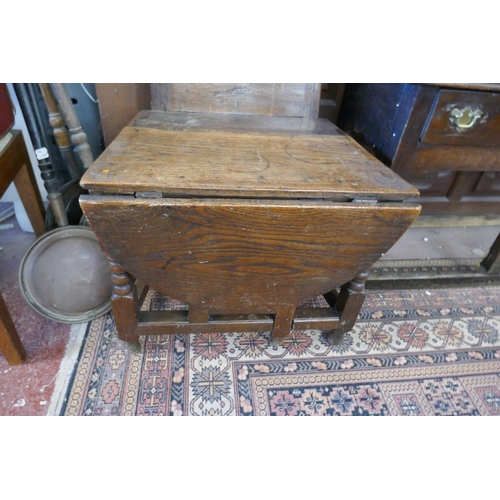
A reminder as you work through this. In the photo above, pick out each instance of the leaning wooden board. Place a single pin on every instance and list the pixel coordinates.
(235, 221)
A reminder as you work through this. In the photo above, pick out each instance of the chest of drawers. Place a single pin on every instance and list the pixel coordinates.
(442, 138)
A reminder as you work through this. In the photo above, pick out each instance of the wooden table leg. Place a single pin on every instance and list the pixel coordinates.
(283, 321)
(348, 304)
(492, 261)
(10, 343)
(25, 183)
(124, 303)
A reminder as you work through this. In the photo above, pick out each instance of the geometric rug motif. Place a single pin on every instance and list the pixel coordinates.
(411, 352)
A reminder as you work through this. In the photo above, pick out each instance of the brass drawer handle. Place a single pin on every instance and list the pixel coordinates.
(465, 118)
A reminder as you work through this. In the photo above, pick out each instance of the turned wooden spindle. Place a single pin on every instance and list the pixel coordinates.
(77, 135)
(60, 132)
(47, 173)
(124, 303)
(122, 280)
(348, 304)
(358, 283)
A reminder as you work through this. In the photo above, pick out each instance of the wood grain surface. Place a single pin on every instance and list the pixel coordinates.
(203, 163)
(271, 99)
(10, 343)
(119, 103)
(234, 123)
(61, 134)
(435, 158)
(484, 133)
(409, 128)
(489, 87)
(244, 256)
(15, 166)
(77, 135)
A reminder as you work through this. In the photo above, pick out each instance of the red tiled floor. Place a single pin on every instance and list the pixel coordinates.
(26, 389)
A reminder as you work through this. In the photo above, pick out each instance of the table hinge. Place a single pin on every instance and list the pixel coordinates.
(148, 194)
(369, 201)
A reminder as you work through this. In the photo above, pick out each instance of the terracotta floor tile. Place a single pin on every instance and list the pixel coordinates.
(27, 389)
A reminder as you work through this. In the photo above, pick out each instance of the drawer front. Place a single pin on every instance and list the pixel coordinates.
(438, 158)
(464, 118)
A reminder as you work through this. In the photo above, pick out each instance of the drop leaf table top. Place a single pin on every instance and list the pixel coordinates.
(244, 218)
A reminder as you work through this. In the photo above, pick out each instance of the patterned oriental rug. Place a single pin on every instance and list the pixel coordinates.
(412, 352)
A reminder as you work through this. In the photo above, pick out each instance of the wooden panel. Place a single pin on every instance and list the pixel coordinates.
(199, 163)
(332, 95)
(469, 206)
(234, 123)
(379, 114)
(119, 103)
(430, 158)
(391, 119)
(176, 322)
(244, 256)
(440, 130)
(12, 157)
(493, 87)
(271, 99)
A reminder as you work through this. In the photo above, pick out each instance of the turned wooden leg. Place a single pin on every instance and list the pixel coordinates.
(60, 131)
(124, 303)
(348, 304)
(77, 135)
(10, 343)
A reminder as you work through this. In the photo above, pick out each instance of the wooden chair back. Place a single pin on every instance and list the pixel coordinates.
(268, 99)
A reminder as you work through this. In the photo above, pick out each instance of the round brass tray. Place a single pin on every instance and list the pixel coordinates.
(65, 277)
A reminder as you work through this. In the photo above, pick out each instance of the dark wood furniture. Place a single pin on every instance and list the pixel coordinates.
(330, 102)
(10, 343)
(60, 130)
(7, 118)
(119, 103)
(261, 99)
(77, 136)
(244, 218)
(15, 166)
(442, 138)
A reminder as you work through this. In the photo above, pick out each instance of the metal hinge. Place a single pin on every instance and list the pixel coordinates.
(369, 201)
(148, 194)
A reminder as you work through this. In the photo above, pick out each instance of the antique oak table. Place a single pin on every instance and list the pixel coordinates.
(244, 218)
